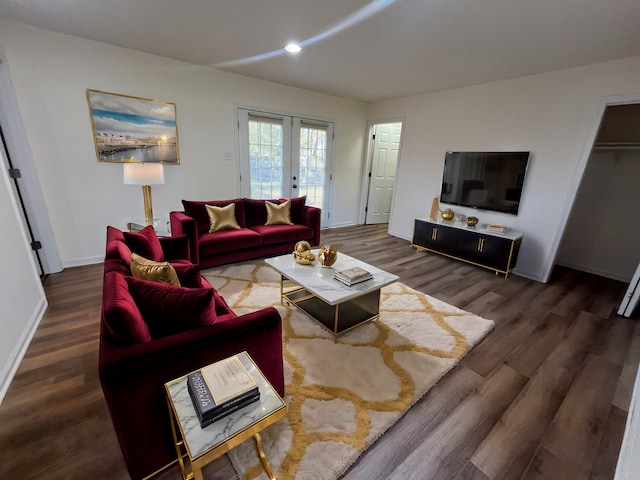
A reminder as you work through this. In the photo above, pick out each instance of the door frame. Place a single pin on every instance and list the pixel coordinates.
(326, 219)
(578, 176)
(367, 162)
(35, 205)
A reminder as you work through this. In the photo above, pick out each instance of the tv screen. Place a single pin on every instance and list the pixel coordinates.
(485, 180)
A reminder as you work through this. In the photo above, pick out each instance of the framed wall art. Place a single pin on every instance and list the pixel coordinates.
(133, 129)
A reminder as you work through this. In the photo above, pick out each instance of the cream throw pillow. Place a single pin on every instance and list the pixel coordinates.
(145, 269)
(222, 218)
(278, 214)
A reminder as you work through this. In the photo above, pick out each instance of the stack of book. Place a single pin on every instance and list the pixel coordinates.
(220, 389)
(496, 228)
(352, 276)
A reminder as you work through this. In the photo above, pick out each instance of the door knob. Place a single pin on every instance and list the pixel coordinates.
(294, 186)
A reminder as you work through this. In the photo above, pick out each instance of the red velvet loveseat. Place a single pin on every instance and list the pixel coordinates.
(253, 239)
(151, 333)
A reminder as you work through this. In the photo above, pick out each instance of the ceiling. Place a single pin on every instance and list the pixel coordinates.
(407, 47)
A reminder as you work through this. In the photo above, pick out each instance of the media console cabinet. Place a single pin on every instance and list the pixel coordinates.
(476, 245)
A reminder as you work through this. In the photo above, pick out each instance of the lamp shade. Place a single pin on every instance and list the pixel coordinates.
(143, 174)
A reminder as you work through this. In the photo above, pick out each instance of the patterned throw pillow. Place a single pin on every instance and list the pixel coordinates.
(222, 218)
(278, 214)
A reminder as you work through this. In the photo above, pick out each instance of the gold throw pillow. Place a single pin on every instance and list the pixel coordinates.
(222, 218)
(145, 269)
(278, 214)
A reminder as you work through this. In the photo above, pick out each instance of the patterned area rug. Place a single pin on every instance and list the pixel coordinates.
(342, 396)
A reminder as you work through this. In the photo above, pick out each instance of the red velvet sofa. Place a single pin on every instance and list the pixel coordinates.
(253, 240)
(137, 357)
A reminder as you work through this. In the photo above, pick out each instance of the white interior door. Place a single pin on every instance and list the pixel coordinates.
(384, 165)
(632, 296)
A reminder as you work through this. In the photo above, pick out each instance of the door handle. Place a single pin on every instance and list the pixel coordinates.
(480, 244)
(294, 186)
(434, 234)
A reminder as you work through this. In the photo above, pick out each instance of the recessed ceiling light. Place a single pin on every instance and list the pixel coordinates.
(293, 48)
(372, 8)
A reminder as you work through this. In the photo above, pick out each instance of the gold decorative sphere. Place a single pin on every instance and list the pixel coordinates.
(447, 214)
(471, 221)
(302, 253)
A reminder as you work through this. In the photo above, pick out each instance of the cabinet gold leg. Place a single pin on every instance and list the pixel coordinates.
(263, 457)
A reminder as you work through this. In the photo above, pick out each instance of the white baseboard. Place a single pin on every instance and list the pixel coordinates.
(399, 235)
(9, 370)
(339, 225)
(80, 262)
(595, 271)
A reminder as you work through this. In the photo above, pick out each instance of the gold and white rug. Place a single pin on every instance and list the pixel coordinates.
(342, 396)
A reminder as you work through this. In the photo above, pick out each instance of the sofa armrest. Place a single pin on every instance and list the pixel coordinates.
(182, 224)
(175, 247)
(188, 350)
(312, 217)
(133, 378)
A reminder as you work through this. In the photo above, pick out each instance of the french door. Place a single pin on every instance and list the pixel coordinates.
(283, 156)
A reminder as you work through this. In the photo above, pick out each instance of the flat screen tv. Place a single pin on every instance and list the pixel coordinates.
(484, 180)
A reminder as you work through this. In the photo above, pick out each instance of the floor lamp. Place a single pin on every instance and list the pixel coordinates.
(145, 174)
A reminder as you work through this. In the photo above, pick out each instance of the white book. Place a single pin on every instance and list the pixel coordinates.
(349, 283)
(354, 273)
(227, 379)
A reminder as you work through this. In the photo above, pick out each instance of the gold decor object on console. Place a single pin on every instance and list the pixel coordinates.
(328, 256)
(448, 214)
(496, 228)
(472, 221)
(433, 214)
(302, 253)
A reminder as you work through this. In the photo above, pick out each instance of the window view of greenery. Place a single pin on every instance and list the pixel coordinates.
(313, 159)
(266, 162)
(265, 159)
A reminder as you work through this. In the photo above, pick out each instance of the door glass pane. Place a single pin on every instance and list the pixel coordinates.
(313, 161)
(265, 159)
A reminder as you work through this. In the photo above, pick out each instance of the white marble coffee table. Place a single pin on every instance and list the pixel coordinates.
(203, 445)
(333, 305)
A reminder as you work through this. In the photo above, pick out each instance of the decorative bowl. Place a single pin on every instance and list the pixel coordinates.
(472, 221)
(448, 214)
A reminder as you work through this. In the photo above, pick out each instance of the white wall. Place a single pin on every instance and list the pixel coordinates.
(603, 231)
(22, 300)
(50, 73)
(553, 115)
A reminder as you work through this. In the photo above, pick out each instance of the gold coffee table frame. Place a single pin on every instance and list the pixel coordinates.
(335, 306)
(193, 454)
(337, 319)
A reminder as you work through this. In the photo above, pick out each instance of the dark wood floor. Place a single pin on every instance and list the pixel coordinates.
(544, 396)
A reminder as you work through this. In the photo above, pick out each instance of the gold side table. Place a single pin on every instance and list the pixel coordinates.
(200, 446)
